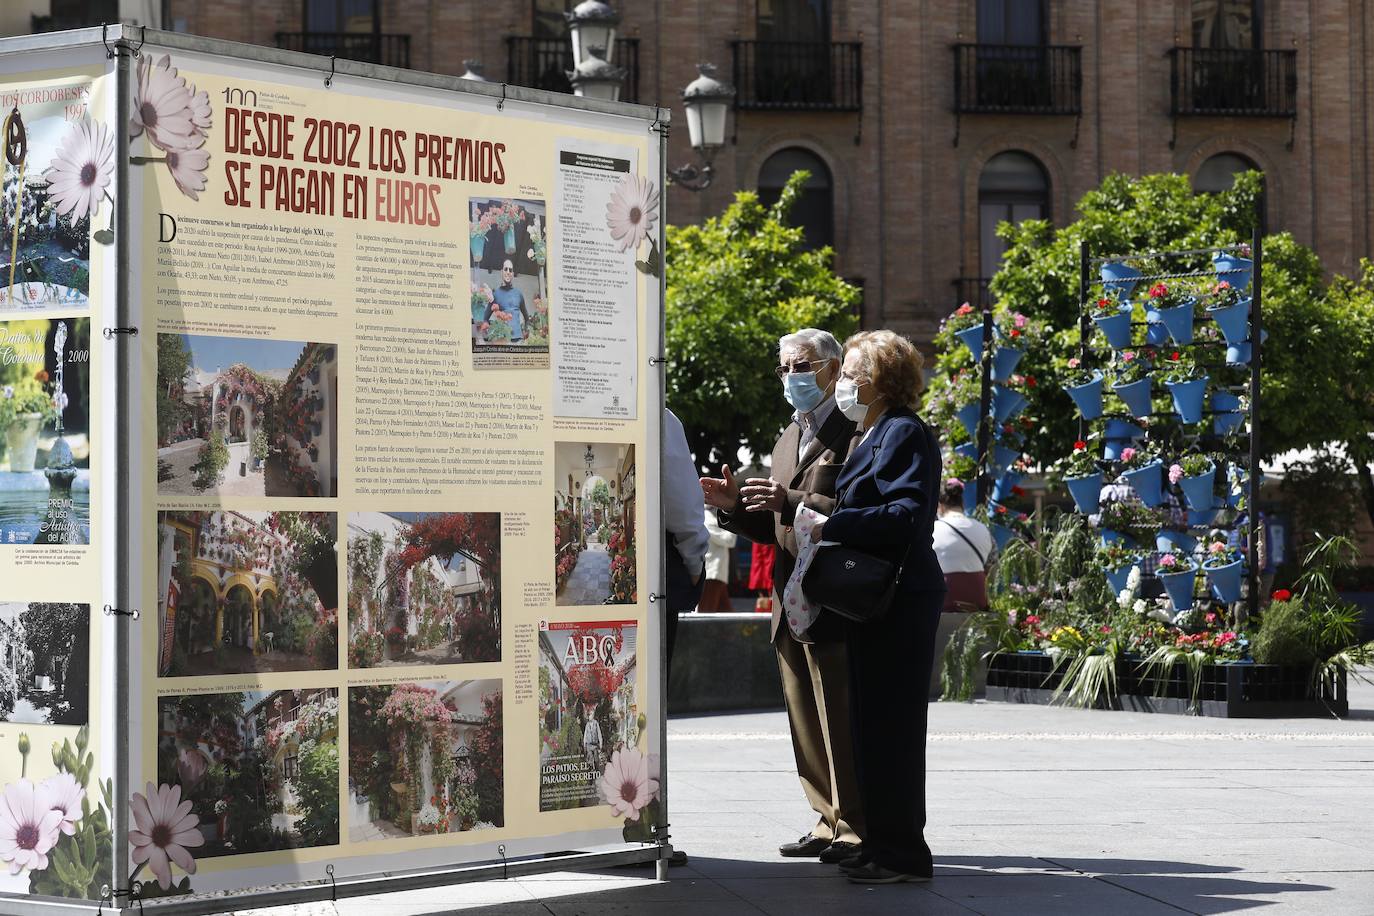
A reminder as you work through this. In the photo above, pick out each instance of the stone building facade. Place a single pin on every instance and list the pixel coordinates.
(928, 120)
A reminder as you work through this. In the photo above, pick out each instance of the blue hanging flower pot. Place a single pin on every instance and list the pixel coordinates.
(1001, 459)
(1007, 403)
(1118, 278)
(1226, 417)
(1233, 269)
(1179, 322)
(972, 337)
(1116, 327)
(1136, 395)
(1180, 586)
(1156, 334)
(1166, 539)
(1198, 489)
(1146, 483)
(1118, 435)
(1188, 397)
(1004, 360)
(1117, 578)
(1234, 321)
(509, 238)
(1202, 518)
(1088, 396)
(968, 450)
(1238, 354)
(970, 496)
(969, 416)
(1224, 579)
(1086, 493)
(1113, 537)
(1002, 489)
(479, 245)
(1002, 535)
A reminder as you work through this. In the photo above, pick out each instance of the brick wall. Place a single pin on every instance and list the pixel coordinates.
(906, 216)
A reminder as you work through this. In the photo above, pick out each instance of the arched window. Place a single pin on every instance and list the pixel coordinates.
(1230, 24)
(1218, 173)
(1012, 188)
(814, 210)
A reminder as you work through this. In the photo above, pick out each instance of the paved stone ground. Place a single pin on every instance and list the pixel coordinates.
(1033, 810)
(590, 582)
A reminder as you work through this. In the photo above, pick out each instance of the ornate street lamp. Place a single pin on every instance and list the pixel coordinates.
(592, 24)
(472, 70)
(595, 77)
(706, 100)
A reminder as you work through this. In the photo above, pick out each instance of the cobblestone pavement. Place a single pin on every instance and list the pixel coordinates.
(1033, 810)
(590, 582)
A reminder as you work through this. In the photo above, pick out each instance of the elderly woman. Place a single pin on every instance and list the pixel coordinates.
(886, 498)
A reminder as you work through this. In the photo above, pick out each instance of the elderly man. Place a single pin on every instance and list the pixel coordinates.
(815, 675)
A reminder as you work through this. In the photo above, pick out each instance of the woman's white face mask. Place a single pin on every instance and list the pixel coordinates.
(847, 400)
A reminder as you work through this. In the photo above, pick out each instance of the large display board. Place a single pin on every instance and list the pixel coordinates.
(387, 469)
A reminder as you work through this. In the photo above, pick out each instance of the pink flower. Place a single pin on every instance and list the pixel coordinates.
(632, 210)
(954, 482)
(29, 827)
(66, 794)
(1020, 320)
(626, 783)
(163, 105)
(82, 169)
(163, 828)
(1216, 547)
(1168, 560)
(188, 169)
(1127, 355)
(1074, 362)
(1127, 453)
(1175, 473)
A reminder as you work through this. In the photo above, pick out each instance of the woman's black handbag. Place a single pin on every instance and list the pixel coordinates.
(851, 583)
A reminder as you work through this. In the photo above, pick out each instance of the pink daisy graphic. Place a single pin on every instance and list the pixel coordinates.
(626, 784)
(163, 829)
(29, 827)
(632, 210)
(162, 105)
(188, 169)
(82, 169)
(66, 795)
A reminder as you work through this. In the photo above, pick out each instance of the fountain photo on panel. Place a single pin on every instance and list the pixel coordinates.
(246, 417)
(45, 445)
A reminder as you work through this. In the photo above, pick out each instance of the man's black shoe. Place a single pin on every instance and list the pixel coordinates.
(807, 846)
(855, 861)
(836, 853)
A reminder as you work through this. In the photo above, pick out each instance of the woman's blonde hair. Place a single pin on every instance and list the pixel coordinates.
(893, 366)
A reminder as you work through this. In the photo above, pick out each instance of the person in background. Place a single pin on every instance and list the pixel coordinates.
(761, 559)
(963, 545)
(885, 504)
(715, 595)
(687, 538)
(815, 669)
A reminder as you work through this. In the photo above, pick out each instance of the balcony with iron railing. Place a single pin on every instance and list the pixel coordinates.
(1233, 83)
(798, 75)
(1018, 79)
(369, 47)
(544, 63)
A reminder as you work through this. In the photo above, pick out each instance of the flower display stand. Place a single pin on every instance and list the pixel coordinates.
(1229, 691)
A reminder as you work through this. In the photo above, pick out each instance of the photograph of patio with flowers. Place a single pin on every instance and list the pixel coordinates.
(247, 592)
(587, 707)
(45, 663)
(59, 185)
(424, 588)
(510, 288)
(594, 511)
(260, 768)
(262, 422)
(45, 449)
(425, 758)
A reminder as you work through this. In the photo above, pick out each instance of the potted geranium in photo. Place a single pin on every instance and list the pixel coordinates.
(1178, 573)
(1143, 470)
(1083, 477)
(1174, 303)
(1131, 382)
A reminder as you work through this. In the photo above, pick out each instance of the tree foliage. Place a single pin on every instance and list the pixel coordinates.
(1308, 385)
(173, 364)
(735, 284)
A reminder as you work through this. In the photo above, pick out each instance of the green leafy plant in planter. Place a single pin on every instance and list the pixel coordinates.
(259, 448)
(210, 462)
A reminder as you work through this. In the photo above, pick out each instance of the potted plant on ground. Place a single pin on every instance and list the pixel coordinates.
(259, 449)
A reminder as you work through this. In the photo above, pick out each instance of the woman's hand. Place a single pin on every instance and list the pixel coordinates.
(816, 533)
(763, 494)
(721, 492)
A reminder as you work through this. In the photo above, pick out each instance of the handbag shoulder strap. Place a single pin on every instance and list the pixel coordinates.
(964, 537)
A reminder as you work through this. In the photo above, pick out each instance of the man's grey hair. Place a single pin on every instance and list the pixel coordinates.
(822, 344)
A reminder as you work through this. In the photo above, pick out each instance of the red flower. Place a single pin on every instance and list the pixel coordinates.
(1032, 619)
(1158, 290)
(1030, 379)
(1282, 594)
(1103, 302)
(1015, 332)
(1001, 510)
(1079, 445)
(1018, 490)
(1174, 357)
(1104, 629)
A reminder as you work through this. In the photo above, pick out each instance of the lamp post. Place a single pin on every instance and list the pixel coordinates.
(472, 71)
(706, 100)
(595, 77)
(592, 24)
